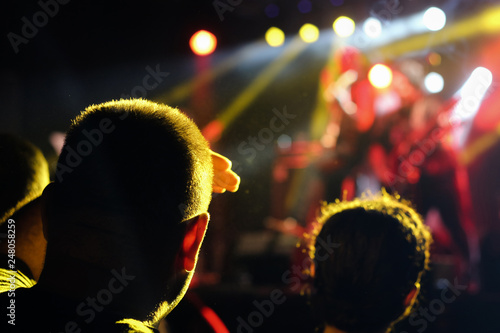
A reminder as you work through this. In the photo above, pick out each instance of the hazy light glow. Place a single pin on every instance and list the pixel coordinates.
(284, 141)
(434, 59)
(434, 19)
(309, 33)
(304, 6)
(275, 37)
(344, 26)
(372, 27)
(472, 93)
(434, 82)
(203, 43)
(470, 98)
(272, 10)
(380, 76)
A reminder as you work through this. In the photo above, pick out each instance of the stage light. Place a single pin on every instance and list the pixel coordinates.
(434, 19)
(434, 59)
(372, 27)
(275, 37)
(203, 43)
(304, 6)
(380, 76)
(471, 96)
(284, 141)
(344, 26)
(477, 84)
(434, 82)
(272, 10)
(309, 33)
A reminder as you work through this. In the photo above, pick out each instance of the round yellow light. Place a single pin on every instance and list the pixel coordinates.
(203, 42)
(275, 37)
(434, 59)
(344, 26)
(309, 33)
(380, 76)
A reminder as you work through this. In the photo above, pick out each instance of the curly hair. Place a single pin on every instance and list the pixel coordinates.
(382, 254)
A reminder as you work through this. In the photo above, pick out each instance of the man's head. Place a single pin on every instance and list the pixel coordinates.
(133, 186)
(371, 279)
(24, 173)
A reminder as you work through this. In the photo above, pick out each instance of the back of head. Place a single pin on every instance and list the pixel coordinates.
(383, 250)
(129, 167)
(24, 173)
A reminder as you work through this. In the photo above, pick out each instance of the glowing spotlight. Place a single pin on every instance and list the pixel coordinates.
(203, 43)
(434, 19)
(304, 6)
(272, 10)
(471, 96)
(434, 59)
(344, 26)
(434, 82)
(477, 84)
(309, 33)
(372, 27)
(380, 76)
(275, 37)
(472, 93)
(284, 141)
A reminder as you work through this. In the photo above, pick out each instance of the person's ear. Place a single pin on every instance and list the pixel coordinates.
(46, 199)
(412, 295)
(193, 238)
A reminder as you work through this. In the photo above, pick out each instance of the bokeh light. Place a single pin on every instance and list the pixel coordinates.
(304, 6)
(272, 10)
(372, 27)
(434, 82)
(284, 141)
(344, 26)
(203, 43)
(434, 19)
(380, 76)
(275, 37)
(309, 33)
(434, 59)
(477, 84)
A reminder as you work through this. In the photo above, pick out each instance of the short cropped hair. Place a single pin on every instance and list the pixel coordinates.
(382, 253)
(24, 173)
(136, 158)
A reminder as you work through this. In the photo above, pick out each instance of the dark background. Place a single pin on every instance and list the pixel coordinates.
(94, 51)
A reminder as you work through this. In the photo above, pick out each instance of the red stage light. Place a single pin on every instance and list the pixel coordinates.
(203, 43)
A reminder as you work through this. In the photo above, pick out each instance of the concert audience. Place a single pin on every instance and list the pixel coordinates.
(371, 279)
(124, 220)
